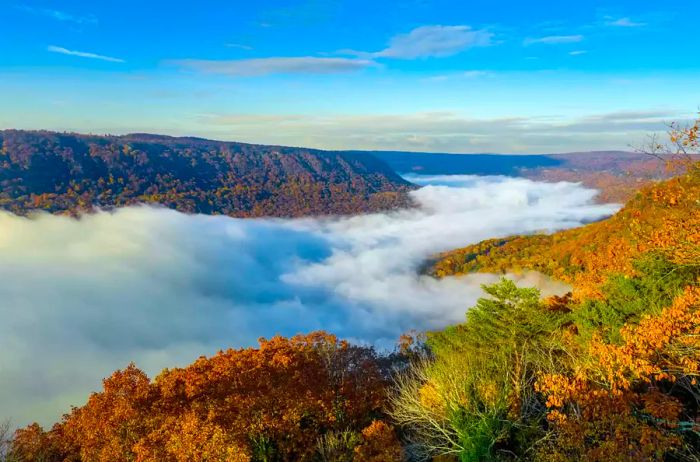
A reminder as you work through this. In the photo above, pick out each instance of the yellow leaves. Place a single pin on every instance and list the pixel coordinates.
(488, 392)
(559, 389)
(605, 396)
(194, 439)
(430, 397)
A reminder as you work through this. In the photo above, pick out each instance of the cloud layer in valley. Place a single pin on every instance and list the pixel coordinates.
(80, 298)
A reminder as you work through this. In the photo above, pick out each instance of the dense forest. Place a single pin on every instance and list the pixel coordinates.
(69, 173)
(608, 372)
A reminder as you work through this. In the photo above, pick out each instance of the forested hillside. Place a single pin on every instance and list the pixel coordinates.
(616, 174)
(663, 216)
(608, 373)
(69, 173)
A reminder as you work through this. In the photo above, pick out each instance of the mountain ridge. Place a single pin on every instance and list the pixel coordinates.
(73, 173)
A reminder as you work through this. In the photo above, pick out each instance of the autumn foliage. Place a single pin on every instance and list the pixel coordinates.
(663, 217)
(633, 401)
(258, 404)
(72, 174)
(608, 373)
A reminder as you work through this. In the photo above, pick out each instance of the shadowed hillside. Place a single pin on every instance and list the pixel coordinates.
(70, 173)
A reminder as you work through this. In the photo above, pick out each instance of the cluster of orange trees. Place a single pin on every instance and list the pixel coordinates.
(609, 372)
(305, 398)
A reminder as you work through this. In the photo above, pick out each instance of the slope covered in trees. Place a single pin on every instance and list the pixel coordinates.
(616, 174)
(664, 216)
(71, 173)
(608, 373)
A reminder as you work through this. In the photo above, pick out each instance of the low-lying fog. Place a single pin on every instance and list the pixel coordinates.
(81, 298)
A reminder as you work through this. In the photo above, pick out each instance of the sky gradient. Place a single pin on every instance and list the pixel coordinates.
(421, 75)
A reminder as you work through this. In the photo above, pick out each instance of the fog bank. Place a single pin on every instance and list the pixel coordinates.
(80, 298)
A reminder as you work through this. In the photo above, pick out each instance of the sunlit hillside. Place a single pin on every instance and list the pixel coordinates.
(662, 217)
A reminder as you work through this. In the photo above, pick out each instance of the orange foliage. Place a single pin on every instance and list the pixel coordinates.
(623, 403)
(266, 403)
(379, 444)
(663, 217)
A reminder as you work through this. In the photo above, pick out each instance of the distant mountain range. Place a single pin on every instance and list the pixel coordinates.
(617, 174)
(458, 164)
(72, 173)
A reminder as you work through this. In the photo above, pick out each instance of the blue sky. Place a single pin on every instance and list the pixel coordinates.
(421, 75)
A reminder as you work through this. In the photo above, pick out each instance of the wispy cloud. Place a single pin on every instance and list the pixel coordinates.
(443, 131)
(474, 74)
(60, 15)
(554, 39)
(435, 41)
(623, 22)
(276, 65)
(421, 42)
(578, 52)
(82, 54)
(239, 46)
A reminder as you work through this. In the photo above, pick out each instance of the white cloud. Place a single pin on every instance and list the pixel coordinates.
(435, 41)
(421, 42)
(266, 66)
(578, 52)
(554, 39)
(80, 298)
(82, 54)
(624, 22)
